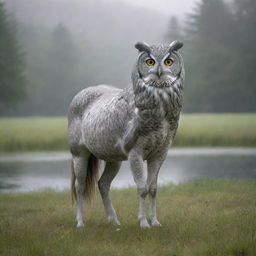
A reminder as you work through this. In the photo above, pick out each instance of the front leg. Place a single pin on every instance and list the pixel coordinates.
(153, 170)
(136, 164)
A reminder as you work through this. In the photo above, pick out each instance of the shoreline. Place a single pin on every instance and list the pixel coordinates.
(49, 156)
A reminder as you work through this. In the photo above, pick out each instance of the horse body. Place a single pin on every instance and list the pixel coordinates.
(102, 121)
(134, 124)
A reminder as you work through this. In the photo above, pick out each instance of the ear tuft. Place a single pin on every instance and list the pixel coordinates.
(175, 46)
(143, 47)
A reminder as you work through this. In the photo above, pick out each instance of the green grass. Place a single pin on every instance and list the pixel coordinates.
(204, 218)
(217, 130)
(30, 134)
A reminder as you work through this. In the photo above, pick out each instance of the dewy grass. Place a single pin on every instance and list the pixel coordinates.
(29, 134)
(34, 134)
(203, 218)
(217, 130)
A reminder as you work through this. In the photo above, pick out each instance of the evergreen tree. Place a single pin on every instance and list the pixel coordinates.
(245, 23)
(211, 60)
(174, 30)
(12, 81)
(245, 47)
(62, 69)
(52, 69)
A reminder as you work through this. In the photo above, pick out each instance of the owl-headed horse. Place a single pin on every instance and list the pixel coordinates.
(134, 124)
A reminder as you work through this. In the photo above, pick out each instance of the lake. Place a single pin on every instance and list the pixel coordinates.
(37, 171)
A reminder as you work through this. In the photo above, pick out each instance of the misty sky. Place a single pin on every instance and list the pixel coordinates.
(167, 7)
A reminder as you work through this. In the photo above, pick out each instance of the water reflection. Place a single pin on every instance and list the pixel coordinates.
(28, 172)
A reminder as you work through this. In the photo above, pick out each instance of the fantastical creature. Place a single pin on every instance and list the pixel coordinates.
(135, 124)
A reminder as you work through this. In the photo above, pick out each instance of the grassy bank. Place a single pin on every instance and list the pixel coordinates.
(205, 218)
(29, 134)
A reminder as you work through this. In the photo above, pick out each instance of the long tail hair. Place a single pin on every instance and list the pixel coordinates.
(90, 179)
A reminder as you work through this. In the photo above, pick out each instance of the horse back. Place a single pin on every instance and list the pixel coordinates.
(86, 99)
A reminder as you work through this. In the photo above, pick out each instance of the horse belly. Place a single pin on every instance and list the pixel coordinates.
(101, 132)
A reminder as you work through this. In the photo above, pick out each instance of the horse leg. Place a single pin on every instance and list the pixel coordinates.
(80, 169)
(136, 164)
(153, 170)
(110, 171)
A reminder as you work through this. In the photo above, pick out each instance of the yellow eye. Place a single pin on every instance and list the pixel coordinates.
(168, 62)
(150, 62)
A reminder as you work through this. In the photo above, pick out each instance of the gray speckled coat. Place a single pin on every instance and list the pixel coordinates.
(135, 124)
(105, 120)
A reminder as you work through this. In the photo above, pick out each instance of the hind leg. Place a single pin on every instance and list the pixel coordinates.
(110, 171)
(80, 169)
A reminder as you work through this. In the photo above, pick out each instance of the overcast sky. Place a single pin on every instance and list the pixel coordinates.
(167, 7)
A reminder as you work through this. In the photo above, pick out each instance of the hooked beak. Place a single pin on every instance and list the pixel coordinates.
(159, 71)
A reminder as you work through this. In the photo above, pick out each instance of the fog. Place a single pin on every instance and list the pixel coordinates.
(69, 45)
(165, 7)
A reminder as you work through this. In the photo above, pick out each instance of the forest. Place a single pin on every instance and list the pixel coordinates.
(46, 58)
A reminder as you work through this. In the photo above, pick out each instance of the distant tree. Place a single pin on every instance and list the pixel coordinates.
(57, 67)
(12, 80)
(245, 47)
(245, 22)
(63, 46)
(174, 30)
(211, 21)
(61, 69)
(213, 62)
(52, 71)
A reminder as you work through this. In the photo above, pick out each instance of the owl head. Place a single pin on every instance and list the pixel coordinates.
(159, 66)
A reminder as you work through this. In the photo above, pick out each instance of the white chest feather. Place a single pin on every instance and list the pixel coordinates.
(155, 141)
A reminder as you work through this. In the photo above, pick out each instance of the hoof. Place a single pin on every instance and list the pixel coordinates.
(155, 223)
(80, 225)
(144, 224)
(114, 220)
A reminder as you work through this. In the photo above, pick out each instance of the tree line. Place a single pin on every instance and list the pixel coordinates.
(220, 56)
(12, 78)
(40, 71)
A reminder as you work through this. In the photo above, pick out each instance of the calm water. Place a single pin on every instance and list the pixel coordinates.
(28, 172)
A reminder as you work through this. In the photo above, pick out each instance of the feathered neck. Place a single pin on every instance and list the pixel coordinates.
(159, 103)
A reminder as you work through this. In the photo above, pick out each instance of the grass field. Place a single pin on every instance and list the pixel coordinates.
(30, 134)
(204, 218)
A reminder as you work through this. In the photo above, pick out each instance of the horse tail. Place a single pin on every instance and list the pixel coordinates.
(91, 178)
